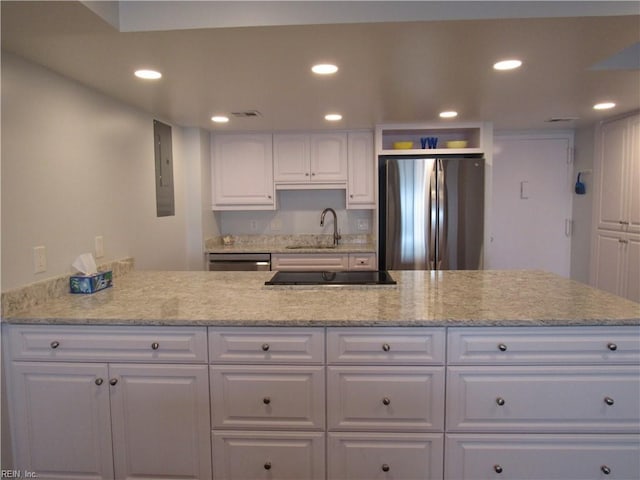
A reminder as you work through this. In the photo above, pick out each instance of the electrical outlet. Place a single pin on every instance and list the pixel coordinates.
(363, 224)
(39, 259)
(276, 224)
(99, 246)
(253, 225)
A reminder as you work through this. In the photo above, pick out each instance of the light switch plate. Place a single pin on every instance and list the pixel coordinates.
(39, 259)
(99, 246)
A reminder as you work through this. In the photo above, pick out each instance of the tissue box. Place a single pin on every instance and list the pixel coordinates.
(91, 283)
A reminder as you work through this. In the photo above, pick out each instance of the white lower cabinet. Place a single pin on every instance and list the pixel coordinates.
(542, 457)
(384, 456)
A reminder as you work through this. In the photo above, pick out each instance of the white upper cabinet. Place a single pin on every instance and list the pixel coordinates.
(617, 174)
(242, 172)
(361, 188)
(310, 158)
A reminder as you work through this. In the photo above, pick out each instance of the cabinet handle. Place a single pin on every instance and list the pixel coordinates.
(612, 346)
(604, 469)
(500, 401)
(351, 196)
(622, 222)
(265, 347)
(385, 467)
(386, 401)
(267, 466)
(497, 468)
(54, 344)
(155, 346)
(269, 196)
(502, 347)
(266, 400)
(609, 400)
(313, 174)
(306, 174)
(113, 381)
(386, 347)
(620, 240)
(99, 381)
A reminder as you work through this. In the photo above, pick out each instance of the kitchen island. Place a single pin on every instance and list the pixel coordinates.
(446, 375)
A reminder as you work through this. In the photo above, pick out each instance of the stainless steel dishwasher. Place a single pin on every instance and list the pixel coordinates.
(239, 262)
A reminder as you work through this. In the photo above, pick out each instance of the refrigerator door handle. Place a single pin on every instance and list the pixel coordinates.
(432, 224)
(442, 221)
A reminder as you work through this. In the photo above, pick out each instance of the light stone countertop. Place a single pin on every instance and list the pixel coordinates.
(347, 248)
(450, 298)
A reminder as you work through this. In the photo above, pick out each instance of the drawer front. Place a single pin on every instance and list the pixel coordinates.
(384, 456)
(543, 399)
(266, 345)
(111, 344)
(319, 262)
(362, 261)
(267, 397)
(560, 345)
(406, 346)
(548, 457)
(268, 456)
(385, 398)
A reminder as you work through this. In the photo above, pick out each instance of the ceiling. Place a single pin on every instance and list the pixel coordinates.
(257, 56)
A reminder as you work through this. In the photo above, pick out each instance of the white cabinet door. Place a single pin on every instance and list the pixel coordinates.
(610, 172)
(633, 196)
(268, 455)
(362, 165)
(384, 456)
(631, 271)
(160, 417)
(329, 157)
(242, 172)
(291, 158)
(385, 398)
(608, 261)
(267, 397)
(61, 420)
(548, 457)
(362, 261)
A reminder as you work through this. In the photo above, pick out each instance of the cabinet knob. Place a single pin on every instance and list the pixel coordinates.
(351, 196)
(113, 381)
(609, 400)
(267, 466)
(604, 469)
(500, 401)
(99, 381)
(385, 467)
(54, 344)
(386, 401)
(155, 346)
(265, 347)
(306, 174)
(497, 468)
(612, 346)
(313, 174)
(266, 400)
(386, 347)
(502, 347)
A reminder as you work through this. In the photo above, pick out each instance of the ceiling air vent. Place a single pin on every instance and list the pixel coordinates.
(247, 114)
(561, 119)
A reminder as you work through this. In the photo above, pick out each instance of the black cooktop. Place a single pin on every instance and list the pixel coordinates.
(379, 277)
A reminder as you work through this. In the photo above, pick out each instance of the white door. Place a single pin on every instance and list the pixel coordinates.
(161, 423)
(607, 274)
(531, 203)
(62, 423)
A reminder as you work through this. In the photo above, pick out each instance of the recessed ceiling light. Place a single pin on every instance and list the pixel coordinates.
(448, 114)
(604, 106)
(148, 74)
(333, 117)
(324, 69)
(219, 119)
(507, 64)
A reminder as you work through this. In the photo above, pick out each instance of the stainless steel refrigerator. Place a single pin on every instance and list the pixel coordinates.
(431, 213)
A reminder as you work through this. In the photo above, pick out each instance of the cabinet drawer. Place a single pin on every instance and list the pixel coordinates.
(548, 457)
(543, 399)
(266, 345)
(406, 346)
(362, 261)
(561, 345)
(268, 456)
(317, 262)
(385, 398)
(112, 344)
(267, 397)
(369, 456)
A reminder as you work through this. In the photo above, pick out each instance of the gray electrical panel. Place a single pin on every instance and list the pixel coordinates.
(165, 204)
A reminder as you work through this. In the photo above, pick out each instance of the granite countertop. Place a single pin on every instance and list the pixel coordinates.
(449, 298)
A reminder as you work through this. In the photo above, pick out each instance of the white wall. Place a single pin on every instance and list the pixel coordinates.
(77, 164)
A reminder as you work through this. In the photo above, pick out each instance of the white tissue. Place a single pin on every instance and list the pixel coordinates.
(86, 264)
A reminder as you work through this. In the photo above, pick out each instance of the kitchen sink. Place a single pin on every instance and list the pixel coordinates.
(314, 247)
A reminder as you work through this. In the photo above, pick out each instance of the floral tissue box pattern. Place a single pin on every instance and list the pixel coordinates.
(91, 283)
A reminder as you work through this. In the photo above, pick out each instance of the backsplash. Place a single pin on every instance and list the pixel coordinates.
(284, 240)
(33, 294)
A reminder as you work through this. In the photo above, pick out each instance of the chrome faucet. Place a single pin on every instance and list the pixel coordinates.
(336, 233)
